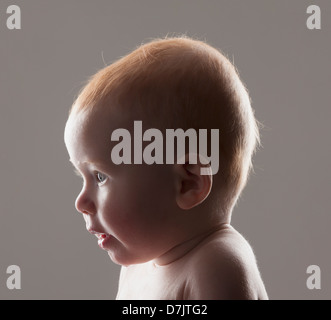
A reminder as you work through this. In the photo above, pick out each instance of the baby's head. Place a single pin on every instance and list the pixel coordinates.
(144, 210)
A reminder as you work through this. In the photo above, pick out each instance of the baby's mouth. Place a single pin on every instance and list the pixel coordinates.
(102, 237)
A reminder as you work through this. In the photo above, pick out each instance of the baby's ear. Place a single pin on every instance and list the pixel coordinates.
(192, 187)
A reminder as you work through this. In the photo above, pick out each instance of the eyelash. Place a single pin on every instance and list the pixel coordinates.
(77, 173)
(97, 175)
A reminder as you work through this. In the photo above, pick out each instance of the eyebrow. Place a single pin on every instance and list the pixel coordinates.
(83, 162)
(95, 163)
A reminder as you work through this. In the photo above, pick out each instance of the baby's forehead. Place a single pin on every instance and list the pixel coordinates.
(99, 121)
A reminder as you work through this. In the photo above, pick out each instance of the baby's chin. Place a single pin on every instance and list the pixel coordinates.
(127, 260)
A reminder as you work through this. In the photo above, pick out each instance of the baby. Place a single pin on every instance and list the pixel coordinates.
(168, 224)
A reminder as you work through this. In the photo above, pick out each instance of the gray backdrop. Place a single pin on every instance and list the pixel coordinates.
(285, 209)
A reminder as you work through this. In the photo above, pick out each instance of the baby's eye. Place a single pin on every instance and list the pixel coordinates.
(100, 177)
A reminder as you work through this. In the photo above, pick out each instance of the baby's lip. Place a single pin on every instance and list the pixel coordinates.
(100, 235)
(103, 238)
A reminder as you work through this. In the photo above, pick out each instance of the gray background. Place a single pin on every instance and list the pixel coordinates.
(285, 209)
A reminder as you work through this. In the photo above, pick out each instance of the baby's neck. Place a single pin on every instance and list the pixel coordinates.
(180, 250)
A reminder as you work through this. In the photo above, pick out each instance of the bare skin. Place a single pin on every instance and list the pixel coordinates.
(216, 266)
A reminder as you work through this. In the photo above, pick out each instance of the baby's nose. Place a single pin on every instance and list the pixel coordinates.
(84, 204)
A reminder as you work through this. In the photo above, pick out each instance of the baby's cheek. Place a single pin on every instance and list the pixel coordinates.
(116, 215)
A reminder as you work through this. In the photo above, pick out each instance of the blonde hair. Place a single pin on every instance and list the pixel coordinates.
(184, 83)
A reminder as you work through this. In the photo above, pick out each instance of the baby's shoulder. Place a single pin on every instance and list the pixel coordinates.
(225, 248)
(227, 245)
(224, 267)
